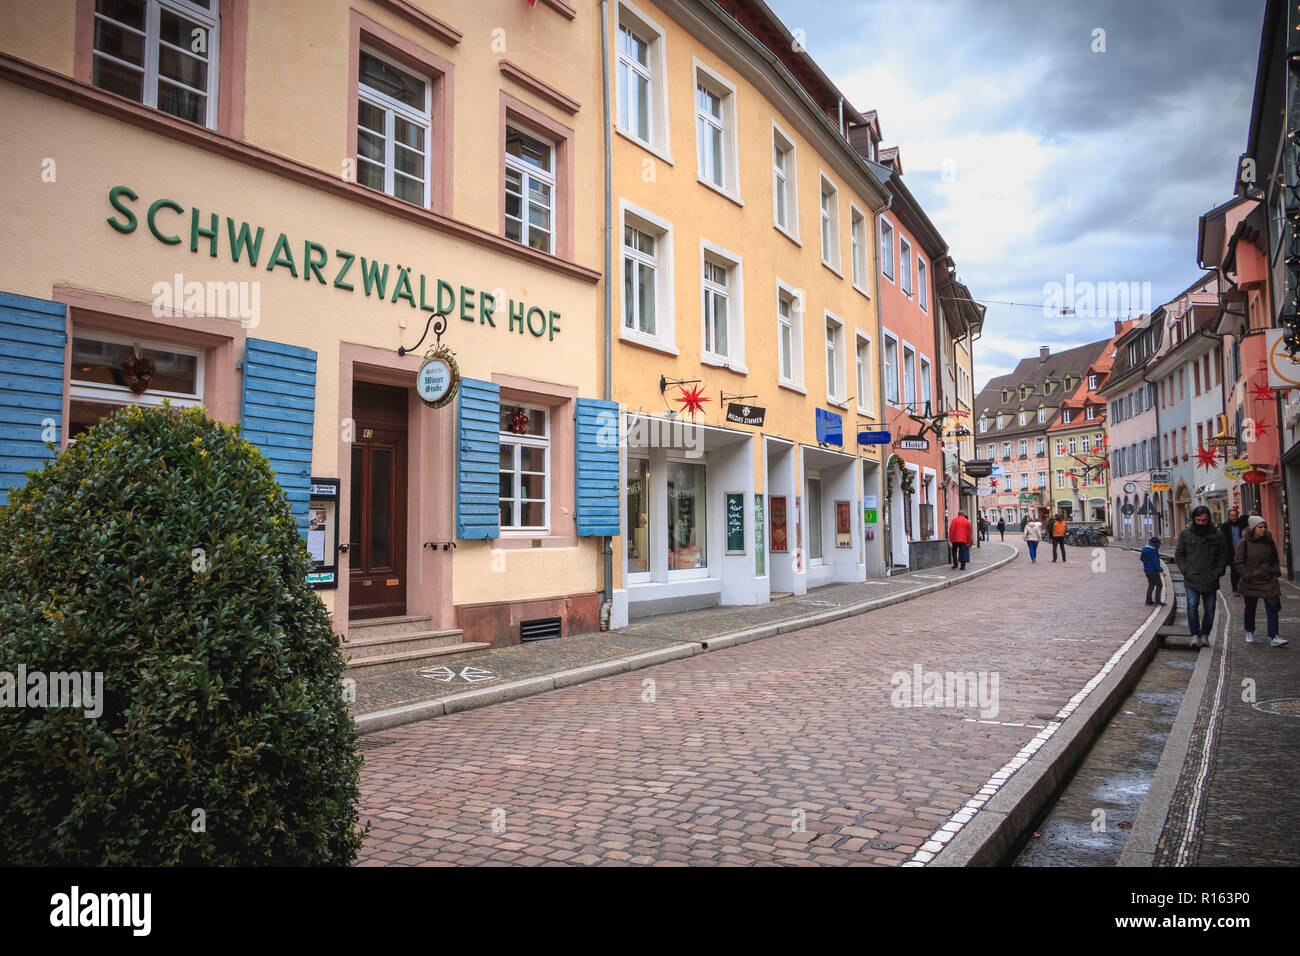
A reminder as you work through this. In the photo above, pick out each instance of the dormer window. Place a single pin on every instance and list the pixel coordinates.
(1006, 395)
(1090, 412)
(1092, 383)
(1024, 417)
(1042, 414)
(999, 421)
(1065, 417)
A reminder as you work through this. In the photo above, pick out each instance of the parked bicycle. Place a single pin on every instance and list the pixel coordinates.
(1082, 536)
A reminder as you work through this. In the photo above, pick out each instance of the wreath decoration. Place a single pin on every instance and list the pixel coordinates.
(905, 478)
(137, 372)
(519, 422)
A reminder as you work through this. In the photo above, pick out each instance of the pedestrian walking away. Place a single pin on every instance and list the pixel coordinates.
(1058, 536)
(1033, 536)
(1257, 561)
(1151, 565)
(983, 528)
(1234, 529)
(1002, 529)
(1202, 558)
(959, 540)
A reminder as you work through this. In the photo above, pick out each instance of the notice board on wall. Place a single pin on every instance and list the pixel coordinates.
(735, 522)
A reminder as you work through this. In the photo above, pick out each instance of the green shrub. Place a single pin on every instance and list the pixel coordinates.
(221, 685)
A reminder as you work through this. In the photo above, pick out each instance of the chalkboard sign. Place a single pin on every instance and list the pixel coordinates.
(735, 522)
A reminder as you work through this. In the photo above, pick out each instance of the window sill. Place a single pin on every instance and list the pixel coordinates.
(833, 268)
(734, 197)
(523, 540)
(838, 403)
(648, 147)
(645, 342)
(862, 290)
(787, 233)
(887, 276)
(718, 361)
(793, 387)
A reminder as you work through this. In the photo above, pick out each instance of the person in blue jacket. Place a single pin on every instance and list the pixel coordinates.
(1151, 565)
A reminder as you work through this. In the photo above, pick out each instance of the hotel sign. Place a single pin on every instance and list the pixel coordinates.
(746, 414)
(913, 443)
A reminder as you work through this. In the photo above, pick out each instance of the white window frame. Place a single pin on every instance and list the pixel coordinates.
(719, 86)
(924, 373)
(530, 441)
(634, 19)
(1006, 451)
(1092, 383)
(858, 248)
(393, 109)
(1023, 447)
(837, 390)
(907, 366)
(664, 338)
(1040, 446)
(896, 377)
(734, 357)
(922, 278)
(1023, 419)
(905, 266)
(829, 220)
(991, 449)
(679, 574)
(887, 249)
(1065, 417)
(210, 19)
(865, 382)
(101, 393)
(1042, 415)
(528, 171)
(1090, 413)
(795, 297)
(785, 143)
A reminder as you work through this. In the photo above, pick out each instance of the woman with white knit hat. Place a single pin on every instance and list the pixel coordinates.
(1257, 562)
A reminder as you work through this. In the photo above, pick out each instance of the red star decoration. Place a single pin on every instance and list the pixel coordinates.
(1261, 392)
(692, 399)
(1206, 457)
(1261, 427)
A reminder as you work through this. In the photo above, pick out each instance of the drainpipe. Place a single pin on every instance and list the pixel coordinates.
(609, 291)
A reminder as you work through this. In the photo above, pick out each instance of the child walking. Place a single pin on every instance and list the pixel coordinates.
(1151, 565)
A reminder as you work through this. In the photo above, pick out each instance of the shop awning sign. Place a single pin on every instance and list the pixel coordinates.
(437, 380)
(874, 438)
(745, 414)
(979, 469)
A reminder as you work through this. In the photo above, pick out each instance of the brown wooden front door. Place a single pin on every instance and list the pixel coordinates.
(377, 537)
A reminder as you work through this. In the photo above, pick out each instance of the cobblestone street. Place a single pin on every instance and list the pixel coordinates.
(785, 750)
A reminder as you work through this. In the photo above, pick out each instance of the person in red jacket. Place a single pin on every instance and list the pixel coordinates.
(959, 540)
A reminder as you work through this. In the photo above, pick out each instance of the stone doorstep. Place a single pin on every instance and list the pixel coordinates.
(368, 647)
(381, 626)
(388, 663)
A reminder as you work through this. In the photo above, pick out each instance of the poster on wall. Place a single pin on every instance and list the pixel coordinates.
(843, 530)
(735, 522)
(759, 551)
(780, 540)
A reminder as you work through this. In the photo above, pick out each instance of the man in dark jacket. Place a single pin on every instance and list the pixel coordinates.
(1233, 530)
(1201, 556)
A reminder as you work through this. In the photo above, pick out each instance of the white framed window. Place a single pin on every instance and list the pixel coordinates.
(95, 388)
(1060, 446)
(858, 248)
(1085, 445)
(991, 450)
(1040, 446)
(1024, 481)
(1065, 417)
(984, 425)
(525, 469)
(687, 518)
(1060, 477)
(785, 179)
(1092, 383)
(1024, 448)
(905, 265)
(530, 190)
(715, 131)
(1090, 413)
(647, 280)
(1042, 415)
(814, 496)
(162, 53)
(922, 293)
(789, 330)
(925, 382)
(891, 369)
(1024, 417)
(640, 80)
(722, 307)
(1042, 480)
(887, 248)
(637, 514)
(835, 383)
(394, 127)
(1006, 450)
(909, 377)
(1001, 421)
(1072, 445)
(830, 219)
(863, 353)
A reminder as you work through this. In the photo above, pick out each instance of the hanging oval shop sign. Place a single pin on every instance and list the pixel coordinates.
(438, 379)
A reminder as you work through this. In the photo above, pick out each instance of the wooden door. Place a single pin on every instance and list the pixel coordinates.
(377, 536)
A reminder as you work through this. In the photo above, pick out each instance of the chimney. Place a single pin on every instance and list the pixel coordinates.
(1119, 326)
(1043, 352)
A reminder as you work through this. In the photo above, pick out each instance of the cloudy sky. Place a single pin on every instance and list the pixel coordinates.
(1037, 157)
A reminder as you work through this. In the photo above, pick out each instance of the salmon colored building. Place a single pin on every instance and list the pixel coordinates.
(252, 206)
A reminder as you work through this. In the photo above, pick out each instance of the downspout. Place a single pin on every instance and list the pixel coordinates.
(609, 291)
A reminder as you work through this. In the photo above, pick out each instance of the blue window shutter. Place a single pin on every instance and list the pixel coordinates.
(33, 333)
(478, 485)
(279, 405)
(599, 496)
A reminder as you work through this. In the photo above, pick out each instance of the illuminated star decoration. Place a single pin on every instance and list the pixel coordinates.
(1261, 427)
(1261, 392)
(929, 423)
(1206, 457)
(692, 399)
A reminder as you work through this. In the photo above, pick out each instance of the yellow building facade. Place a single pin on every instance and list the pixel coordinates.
(253, 206)
(743, 275)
